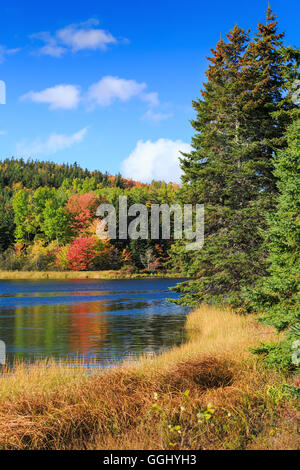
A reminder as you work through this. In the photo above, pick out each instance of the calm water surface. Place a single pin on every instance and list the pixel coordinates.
(104, 320)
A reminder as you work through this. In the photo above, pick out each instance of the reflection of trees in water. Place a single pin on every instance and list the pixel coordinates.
(138, 333)
(115, 324)
(88, 325)
(38, 329)
(56, 329)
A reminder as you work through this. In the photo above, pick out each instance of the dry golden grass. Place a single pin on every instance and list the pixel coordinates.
(213, 331)
(209, 393)
(37, 275)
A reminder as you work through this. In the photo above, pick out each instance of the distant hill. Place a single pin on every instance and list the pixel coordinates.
(33, 174)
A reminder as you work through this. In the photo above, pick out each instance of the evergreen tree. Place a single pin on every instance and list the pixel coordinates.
(230, 168)
(7, 225)
(278, 295)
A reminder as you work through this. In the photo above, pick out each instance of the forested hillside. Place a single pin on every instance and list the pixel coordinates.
(48, 218)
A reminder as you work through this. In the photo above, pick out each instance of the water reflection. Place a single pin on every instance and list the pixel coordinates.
(105, 320)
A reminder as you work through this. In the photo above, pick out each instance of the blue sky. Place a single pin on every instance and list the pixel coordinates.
(110, 84)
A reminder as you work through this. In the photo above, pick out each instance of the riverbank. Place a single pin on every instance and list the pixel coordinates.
(209, 393)
(37, 275)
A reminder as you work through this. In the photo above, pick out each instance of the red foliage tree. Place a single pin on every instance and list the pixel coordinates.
(81, 253)
(82, 207)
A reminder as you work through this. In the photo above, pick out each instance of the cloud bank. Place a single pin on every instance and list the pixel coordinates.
(157, 160)
(102, 93)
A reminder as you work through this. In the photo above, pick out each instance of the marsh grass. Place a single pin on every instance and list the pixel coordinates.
(37, 275)
(209, 393)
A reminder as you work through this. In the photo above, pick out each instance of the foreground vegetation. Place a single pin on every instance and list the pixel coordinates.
(209, 393)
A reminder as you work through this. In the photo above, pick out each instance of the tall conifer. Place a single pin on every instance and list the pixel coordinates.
(230, 168)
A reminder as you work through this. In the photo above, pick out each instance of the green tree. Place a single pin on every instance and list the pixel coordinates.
(55, 223)
(278, 295)
(23, 216)
(230, 168)
(39, 200)
(7, 225)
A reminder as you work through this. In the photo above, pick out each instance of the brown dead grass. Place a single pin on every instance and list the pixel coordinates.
(140, 405)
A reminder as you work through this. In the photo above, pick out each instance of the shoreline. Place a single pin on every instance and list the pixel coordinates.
(211, 389)
(101, 275)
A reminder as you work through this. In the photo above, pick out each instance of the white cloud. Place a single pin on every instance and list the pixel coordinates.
(53, 50)
(109, 89)
(150, 98)
(4, 52)
(103, 93)
(74, 38)
(157, 160)
(59, 96)
(51, 46)
(54, 143)
(79, 38)
(3, 132)
(156, 116)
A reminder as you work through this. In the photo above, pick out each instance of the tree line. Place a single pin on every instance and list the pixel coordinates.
(53, 226)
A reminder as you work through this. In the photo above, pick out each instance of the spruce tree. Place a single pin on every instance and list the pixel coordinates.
(278, 295)
(230, 169)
